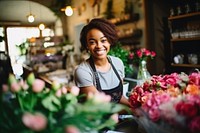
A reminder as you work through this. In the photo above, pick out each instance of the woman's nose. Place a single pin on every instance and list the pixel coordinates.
(99, 44)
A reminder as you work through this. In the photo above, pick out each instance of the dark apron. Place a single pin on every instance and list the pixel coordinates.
(115, 93)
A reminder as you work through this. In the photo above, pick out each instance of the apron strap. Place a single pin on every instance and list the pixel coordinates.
(114, 69)
(96, 74)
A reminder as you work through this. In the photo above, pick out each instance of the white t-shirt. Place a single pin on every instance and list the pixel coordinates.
(84, 75)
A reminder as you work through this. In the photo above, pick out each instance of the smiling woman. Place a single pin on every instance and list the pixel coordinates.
(102, 72)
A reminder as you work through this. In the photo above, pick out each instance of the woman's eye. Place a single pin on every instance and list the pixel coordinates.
(104, 40)
(91, 42)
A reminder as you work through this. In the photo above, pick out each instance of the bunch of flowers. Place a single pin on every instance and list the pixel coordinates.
(28, 106)
(172, 99)
(141, 54)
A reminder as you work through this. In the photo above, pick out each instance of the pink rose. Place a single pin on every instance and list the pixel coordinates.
(153, 54)
(139, 53)
(71, 129)
(38, 85)
(36, 122)
(194, 125)
(131, 55)
(147, 53)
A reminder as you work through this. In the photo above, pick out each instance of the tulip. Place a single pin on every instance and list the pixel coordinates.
(75, 90)
(30, 79)
(38, 85)
(59, 93)
(15, 87)
(99, 97)
(55, 85)
(71, 129)
(115, 117)
(36, 122)
(11, 79)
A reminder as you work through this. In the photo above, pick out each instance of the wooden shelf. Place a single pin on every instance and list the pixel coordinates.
(185, 39)
(184, 16)
(134, 18)
(186, 65)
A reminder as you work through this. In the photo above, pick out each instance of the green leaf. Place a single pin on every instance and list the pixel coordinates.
(52, 103)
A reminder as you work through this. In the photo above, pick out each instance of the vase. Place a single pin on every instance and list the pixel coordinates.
(125, 89)
(143, 73)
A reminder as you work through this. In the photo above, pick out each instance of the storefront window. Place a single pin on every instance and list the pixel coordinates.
(2, 42)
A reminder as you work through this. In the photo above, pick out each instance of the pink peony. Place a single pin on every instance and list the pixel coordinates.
(154, 114)
(38, 85)
(36, 122)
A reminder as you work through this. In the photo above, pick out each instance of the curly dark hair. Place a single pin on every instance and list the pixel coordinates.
(106, 27)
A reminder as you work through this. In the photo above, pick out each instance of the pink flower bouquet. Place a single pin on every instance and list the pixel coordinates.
(141, 54)
(28, 106)
(169, 101)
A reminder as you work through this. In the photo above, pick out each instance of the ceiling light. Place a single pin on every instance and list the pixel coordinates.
(69, 11)
(41, 26)
(31, 18)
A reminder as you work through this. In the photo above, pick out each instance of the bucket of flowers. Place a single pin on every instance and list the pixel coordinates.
(168, 103)
(28, 106)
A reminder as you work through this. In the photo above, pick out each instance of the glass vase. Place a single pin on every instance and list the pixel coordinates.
(143, 73)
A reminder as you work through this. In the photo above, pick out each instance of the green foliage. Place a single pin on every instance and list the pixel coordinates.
(123, 54)
(23, 48)
(60, 111)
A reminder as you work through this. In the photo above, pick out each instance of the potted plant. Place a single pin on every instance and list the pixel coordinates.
(118, 51)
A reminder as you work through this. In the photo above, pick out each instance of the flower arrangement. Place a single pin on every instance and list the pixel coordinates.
(141, 54)
(28, 106)
(169, 101)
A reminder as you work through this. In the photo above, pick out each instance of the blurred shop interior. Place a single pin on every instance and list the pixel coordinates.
(42, 36)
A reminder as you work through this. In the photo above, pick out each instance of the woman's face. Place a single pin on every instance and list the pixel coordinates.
(97, 44)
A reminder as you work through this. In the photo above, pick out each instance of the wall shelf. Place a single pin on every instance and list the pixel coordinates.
(184, 41)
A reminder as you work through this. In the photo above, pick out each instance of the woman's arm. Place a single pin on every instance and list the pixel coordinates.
(86, 90)
(124, 101)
